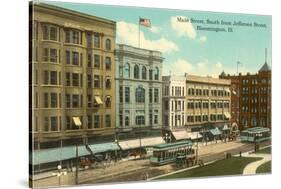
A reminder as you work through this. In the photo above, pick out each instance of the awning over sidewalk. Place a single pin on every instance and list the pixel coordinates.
(57, 154)
(143, 142)
(179, 135)
(103, 147)
(194, 135)
(215, 132)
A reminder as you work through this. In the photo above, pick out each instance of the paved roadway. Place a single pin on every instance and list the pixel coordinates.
(139, 170)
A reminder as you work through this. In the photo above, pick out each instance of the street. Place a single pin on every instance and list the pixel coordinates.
(141, 169)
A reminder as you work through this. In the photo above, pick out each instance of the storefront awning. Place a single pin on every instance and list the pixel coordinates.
(104, 147)
(57, 154)
(77, 121)
(227, 115)
(194, 135)
(179, 135)
(98, 100)
(137, 143)
(215, 132)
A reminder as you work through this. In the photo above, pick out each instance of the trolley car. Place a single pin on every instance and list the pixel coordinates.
(255, 134)
(169, 152)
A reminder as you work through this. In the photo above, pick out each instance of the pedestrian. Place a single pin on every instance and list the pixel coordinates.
(240, 153)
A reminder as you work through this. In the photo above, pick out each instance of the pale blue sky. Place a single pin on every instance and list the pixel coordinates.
(201, 52)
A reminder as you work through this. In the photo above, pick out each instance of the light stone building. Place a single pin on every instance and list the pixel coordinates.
(72, 85)
(138, 97)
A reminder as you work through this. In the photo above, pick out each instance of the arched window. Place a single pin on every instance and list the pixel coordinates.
(156, 76)
(143, 72)
(140, 95)
(108, 44)
(136, 72)
(127, 70)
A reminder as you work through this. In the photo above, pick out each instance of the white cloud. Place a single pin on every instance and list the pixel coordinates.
(186, 29)
(128, 33)
(201, 68)
(155, 29)
(179, 67)
(183, 28)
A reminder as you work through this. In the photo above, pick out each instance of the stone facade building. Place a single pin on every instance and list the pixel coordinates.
(72, 70)
(138, 96)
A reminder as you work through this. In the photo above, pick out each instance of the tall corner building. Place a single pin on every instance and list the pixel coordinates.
(73, 72)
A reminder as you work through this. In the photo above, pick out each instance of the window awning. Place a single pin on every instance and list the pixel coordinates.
(143, 142)
(103, 147)
(98, 100)
(215, 132)
(179, 135)
(77, 121)
(227, 115)
(225, 127)
(57, 154)
(234, 92)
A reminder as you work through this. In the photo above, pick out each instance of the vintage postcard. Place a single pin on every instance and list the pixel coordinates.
(126, 94)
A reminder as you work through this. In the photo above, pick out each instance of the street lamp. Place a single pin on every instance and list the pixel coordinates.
(59, 173)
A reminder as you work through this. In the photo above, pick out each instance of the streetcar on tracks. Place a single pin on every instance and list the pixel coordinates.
(172, 152)
(255, 134)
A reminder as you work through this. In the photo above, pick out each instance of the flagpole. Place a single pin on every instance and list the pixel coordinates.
(139, 31)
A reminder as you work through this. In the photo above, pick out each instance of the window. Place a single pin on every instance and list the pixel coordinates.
(54, 100)
(72, 36)
(120, 118)
(96, 81)
(89, 121)
(75, 79)
(89, 99)
(143, 72)
(53, 33)
(96, 121)
(67, 78)
(140, 95)
(68, 101)
(53, 55)
(140, 120)
(75, 101)
(96, 41)
(50, 55)
(156, 76)
(150, 74)
(127, 121)
(75, 58)
(108, 44)
(89, 60)
(156, 95)
(50, 33)
(121, 94)
(127, 94)
(53, 78)
(107, 63)
(108, 83)
(46, 77)
(46, 123)
(46, 100)
(150, 95)
(89, 80)
(155, 119)
(107, 121)
(67, 57)
(166, 105)
(127, 70)
(136, 72)
(54, 123)
(97, 61)
(108, 102)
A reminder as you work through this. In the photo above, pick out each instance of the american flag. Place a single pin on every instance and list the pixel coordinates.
(145, 22)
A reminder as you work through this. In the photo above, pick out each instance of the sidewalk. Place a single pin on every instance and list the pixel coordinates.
(251, 168)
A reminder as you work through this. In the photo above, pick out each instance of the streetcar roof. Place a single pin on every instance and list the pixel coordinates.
(173, 145)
